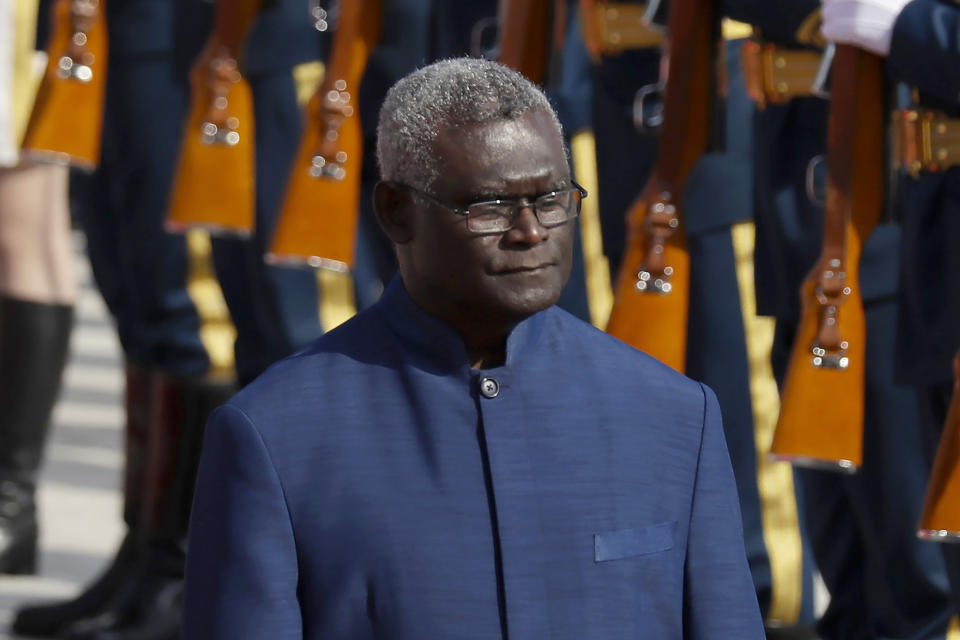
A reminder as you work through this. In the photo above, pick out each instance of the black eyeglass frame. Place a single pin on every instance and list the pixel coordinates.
(517, 205)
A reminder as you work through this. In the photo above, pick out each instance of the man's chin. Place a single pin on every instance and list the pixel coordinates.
(519, 305)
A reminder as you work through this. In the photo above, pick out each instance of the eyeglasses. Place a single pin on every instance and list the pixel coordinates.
(497, 216)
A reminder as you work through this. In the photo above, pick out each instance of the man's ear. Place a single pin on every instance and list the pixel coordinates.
(394, 207)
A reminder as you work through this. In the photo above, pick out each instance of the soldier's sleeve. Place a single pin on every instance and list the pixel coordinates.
(242, 569)
(719, 599)
(925, 48)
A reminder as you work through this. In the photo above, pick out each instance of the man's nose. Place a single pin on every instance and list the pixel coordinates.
(527, 228)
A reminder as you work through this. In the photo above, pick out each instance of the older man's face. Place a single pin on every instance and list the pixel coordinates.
(504, 276)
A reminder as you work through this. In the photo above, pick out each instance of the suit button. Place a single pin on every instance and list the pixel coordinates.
(489, 387)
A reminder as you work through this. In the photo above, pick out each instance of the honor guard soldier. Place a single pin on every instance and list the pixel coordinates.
(921, 43)
(727, 345)
(882, 581)
(156, 290)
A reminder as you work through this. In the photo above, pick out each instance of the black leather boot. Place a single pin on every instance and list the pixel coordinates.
(150, 606)
(48, 619)
(34, 340)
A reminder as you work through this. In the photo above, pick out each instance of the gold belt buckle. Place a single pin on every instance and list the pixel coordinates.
(612, 27)
(775, 75)
(926, 140)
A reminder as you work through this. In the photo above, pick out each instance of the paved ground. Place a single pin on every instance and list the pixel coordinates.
(79, 488)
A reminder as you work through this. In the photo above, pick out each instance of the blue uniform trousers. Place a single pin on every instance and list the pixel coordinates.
(275, 309)
(930, 310)
(139, 268)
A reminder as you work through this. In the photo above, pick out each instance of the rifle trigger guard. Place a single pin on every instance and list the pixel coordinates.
(813, 196)
(661, 223)
(482, 44)
(648, 107)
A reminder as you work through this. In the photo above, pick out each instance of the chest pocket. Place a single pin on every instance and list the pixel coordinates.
(627, 543)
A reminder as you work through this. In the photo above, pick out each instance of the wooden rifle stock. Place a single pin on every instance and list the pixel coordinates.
(318, 222)
(652, 292)
(821, 415)
(524, 27)
(214, 187)
(67, 119)
(941, 511)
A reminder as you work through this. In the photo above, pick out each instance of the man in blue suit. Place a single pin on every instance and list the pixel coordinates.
(463, 459)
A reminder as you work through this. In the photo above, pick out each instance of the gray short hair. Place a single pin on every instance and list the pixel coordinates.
(449, 93)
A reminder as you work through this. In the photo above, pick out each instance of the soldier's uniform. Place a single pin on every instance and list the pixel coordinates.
(925, 54)
(883, 582)
(725, 339)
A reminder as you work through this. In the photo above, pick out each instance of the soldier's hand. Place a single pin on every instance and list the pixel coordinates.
(867, 24)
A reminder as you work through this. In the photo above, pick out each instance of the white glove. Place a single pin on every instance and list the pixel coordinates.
(867, 24)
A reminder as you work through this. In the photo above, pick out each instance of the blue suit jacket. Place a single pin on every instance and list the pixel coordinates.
(366, 487)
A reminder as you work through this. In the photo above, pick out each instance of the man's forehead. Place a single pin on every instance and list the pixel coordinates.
(530, 138)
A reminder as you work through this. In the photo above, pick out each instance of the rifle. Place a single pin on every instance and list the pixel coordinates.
(652, 292)
(214, 186)
(821, 415)
(67, 118)
(318, 221)
(941, 510)
(525, 36)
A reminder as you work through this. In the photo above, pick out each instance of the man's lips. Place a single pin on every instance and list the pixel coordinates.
(524, 269)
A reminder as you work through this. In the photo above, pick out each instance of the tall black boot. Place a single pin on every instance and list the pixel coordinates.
(150, 607)
(34, 340)
(46, 620)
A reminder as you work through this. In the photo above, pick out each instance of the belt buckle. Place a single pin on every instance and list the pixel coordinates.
(776, 75)
(612, 27)
(922, 142)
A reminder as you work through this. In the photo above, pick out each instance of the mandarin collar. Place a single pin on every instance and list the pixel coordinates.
(435, 344)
